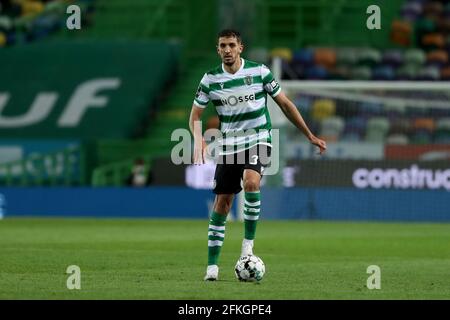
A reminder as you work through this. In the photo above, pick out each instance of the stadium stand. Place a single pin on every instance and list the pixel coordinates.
(423, 56)
(107, 23)
(325, 45)
(24, 21)
(417, 48)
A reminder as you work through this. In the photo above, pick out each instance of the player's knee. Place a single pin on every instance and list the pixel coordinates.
(223, 205)
(251, 185)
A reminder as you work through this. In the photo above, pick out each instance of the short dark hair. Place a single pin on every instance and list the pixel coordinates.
(230, 33)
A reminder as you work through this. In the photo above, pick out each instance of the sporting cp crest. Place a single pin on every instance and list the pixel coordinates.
(221, 85)
(248, 80)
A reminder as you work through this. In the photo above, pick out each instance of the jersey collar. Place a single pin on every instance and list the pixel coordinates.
(233, 74)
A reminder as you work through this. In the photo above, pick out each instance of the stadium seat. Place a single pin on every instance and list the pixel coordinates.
(354, 129)
(424, 124)
(423, 129)
(361, 73)
(393, 57)
(377, 129)
(415, 57)
(432, 41)
(383, 72)
(346, 56)
(411, 10)
(325, 57)
(331, 128)
(397, 139)
(323, 108)
(368, 57)
(443, 123)
(316, 73)
(304, 57)
(407, 72)
(31, 7)
(429, 73)
(284, 53)
(442, 133)
(401, 33)
(6, 23)
(437, 58)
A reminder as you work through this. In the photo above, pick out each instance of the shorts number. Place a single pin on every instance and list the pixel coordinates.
(254, 160)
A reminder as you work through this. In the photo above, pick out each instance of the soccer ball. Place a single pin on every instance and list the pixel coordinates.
(250, 268)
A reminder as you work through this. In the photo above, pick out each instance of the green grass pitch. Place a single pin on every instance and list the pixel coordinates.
(166, 259)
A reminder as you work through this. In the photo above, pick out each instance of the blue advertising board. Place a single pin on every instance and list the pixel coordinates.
(183, 202)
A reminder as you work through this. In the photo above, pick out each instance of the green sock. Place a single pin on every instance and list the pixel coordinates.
(216, 234)
(251, 213)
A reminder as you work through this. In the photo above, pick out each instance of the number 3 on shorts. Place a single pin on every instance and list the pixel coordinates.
(254, 160)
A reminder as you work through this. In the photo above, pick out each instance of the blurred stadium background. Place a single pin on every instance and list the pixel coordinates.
(86, 116)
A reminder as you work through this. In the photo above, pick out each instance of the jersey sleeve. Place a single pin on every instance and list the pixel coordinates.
(202, 95)
(271, 86)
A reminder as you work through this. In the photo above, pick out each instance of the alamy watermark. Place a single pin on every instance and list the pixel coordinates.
(226, 147)
(74, 280)
(374, 21)
(374, 280)
(73, 22)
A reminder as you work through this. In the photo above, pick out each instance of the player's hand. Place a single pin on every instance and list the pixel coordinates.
(199, 152)
(320, 143)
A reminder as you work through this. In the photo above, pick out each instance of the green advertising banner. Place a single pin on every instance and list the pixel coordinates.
(81, 89)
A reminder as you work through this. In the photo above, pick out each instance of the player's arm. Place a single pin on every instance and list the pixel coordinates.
(292, 113)
(196, 130)
(200, 103)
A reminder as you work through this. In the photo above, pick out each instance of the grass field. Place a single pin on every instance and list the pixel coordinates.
(165, 259)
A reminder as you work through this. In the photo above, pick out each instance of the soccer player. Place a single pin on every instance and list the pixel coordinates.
(238, 89)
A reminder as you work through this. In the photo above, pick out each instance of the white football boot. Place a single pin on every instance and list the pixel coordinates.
(247, 248)
(212, 273)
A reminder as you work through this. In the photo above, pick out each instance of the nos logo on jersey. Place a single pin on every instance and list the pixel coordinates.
(234, 100)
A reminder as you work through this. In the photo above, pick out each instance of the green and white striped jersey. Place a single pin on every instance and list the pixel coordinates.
(241, 103)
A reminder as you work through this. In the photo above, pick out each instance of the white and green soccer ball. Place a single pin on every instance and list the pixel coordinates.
(250, 268)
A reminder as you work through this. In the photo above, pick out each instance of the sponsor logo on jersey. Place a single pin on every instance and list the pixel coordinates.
(234, 100)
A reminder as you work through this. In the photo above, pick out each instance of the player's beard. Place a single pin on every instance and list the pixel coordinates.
(229, 62)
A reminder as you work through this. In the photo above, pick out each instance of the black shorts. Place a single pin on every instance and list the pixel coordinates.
(230, 169)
